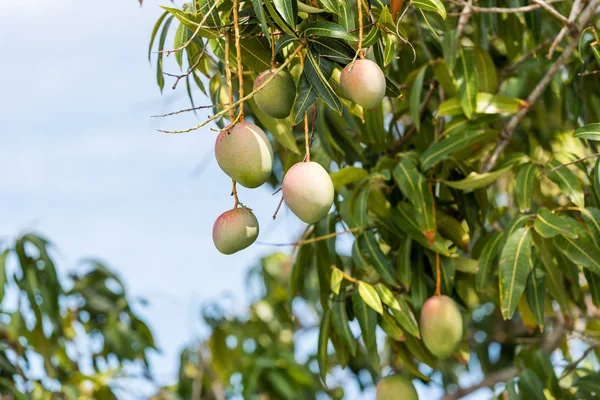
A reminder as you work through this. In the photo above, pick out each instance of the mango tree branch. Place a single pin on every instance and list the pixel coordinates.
(508, 131)
(549, 344)
(246, 97)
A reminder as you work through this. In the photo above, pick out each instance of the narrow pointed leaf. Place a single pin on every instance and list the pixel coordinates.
(431, 5)
(549, 225)
(390, 327)
(536, 294)
(304, 99)
(467, 89)
(369, 248)
(336, 280)
(514, 269)
(591, 217)
(387, 297)
(581, 251)
(488, 255)
(437, 151)
(339, 317)
(567, 181)
(415, 98)
(589, 131)
(524, 185)
(259, 11)
(288, 11)
(327, 29)
(370, 296)
(324, 332)
(405, 317)
(367, 319)
(318, 70)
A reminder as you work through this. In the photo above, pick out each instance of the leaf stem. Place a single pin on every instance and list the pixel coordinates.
(438, 277)
(346, 276)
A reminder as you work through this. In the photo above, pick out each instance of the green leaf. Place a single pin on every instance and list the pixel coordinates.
(336, 280)
(530, 385)
(367, 319)
(549, 225)
(589, 131)
(370, 296)
(257, 5)
(554, 275)
(347, 176)
(436, 152)
(581, 251)
(346, 18)
(406, 318)
(567, 181)
(318, 70)
(277, 18)
(431, 5)
(334, 49)
(160, 79)
(387, 297)
(155, 31)
(308, 9)
(514, 269)
(596, 178)
(279, 128)
(192, 21)
(331, 6)
(404, 269)
(361, 203)
(327, 29)
(283, 42)
(476, 181)
(402, 219)
(324, 333)
(442, 73)
(524, 185)
(450, 49)
(288, 10)
(488, 255)
(536, 294)
(415, 188)
(339, 316)
(3, 277)
(485, 71)
(485, 103)
(415, 98)
(593, 281)
(467, 88)
(304, 99)
(466, 265)
(390, 327)
(591, 217)
(369, 249)
(300, 270)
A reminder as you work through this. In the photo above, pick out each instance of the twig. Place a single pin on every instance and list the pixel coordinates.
(200, 26)
(187, 110)
(236, 201)
(567, 164)
(306, 141)
(346, 276)
(190, 69)
(508, 131)
(589, 73)
(566, 28)
(500, 10)
(360, 29)
(278, 207)
(438, 278)
(312, 240)
(505, 72)
(246, 97)
(553, 11)
(238, 52)
(550, 343)
(571, 367)
(228, 79)
(464, 18)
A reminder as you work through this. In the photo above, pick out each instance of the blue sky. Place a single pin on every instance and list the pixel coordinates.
(82, 163)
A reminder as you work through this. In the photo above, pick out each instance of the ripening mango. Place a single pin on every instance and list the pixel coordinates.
(396, 387)
(235, 230)
(308, 191)
(364, 82)
(245, 154)
(441, 326)
(277, 97)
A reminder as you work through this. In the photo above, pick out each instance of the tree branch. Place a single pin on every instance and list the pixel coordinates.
(508, 131)
(550, 343)
(568, 26)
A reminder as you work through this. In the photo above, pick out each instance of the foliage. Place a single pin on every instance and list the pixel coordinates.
(476, 178)
(48, 322)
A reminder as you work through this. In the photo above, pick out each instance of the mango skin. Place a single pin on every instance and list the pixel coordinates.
(277, 97)
(308, 191)
(245, 154)
(441, 326)
(235, 230)
(396, 387)
(364, 82)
